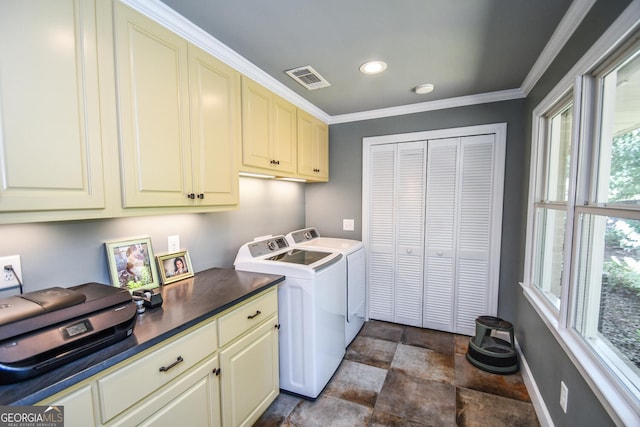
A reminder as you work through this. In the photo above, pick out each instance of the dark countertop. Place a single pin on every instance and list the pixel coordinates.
(185, 304)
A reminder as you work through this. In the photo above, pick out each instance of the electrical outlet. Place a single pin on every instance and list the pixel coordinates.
(564, 395)
(348, 225)
(173, 243)
(9, 279)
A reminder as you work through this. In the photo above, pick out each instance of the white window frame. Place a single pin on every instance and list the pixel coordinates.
(619, 403)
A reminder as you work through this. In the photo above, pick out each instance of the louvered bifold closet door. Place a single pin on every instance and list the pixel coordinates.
(474, 230)
(381, 231)
(440, 234)
(410, 232)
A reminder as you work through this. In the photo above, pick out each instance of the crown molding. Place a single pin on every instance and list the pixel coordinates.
(567, 26)
(441, 104)
(169, 18)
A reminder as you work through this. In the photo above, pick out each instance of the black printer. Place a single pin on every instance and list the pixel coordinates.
(42, 330)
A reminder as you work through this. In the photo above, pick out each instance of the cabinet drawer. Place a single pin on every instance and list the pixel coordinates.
(133, 381)
(240, 320)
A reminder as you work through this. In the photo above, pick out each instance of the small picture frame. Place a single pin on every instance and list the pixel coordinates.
(131, 264)
(175, 266)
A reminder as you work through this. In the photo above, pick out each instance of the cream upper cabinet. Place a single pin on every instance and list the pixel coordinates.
(215, 128)
(50, 145)
(269, 140)
(178, 118)
(313, 148)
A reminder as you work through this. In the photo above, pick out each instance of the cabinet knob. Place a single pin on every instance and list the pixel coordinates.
(277, 326)
(191, 196)
(439, 253)
(216, 372)
(201, 196)
(409, 250)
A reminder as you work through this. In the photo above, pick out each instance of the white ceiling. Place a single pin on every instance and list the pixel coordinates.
(464, 47)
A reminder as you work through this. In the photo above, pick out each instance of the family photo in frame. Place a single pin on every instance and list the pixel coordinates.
(131, 264)
(175, 266)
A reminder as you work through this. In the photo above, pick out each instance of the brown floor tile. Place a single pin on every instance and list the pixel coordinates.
(461, 343)
(468, 376)
(357, 382)
(279, 410)
(395, 375)
(418, 400)
(381, 419)
(382, 330)
(424, 363)
(439, 341)
(371, 351)
(329, 411)
(477, 409)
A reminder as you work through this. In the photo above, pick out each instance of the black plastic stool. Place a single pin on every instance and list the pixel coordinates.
(493, 354)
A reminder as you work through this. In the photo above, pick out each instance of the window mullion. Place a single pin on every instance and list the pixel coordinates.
(576, 135)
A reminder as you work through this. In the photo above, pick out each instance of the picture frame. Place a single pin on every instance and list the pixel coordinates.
(174, 266)
(131, 264)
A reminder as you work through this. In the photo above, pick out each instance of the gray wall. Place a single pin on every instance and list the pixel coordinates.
(69, 253)
(328, 203)
(547, 360)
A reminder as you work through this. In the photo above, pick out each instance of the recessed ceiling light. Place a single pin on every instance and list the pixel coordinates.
(373, 67)
(424, 88)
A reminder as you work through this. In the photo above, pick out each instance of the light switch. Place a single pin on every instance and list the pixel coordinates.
(348, 225)
(173, 244)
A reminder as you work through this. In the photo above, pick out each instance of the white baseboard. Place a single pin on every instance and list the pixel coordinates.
(534, 393)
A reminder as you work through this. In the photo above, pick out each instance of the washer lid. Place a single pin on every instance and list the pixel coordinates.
(299, 256)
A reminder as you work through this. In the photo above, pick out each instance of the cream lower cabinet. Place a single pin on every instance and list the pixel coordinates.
(78, 407)
(249, 375)
(249, 362)
(224, 371)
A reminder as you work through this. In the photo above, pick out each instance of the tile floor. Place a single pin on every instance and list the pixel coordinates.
(395, 375)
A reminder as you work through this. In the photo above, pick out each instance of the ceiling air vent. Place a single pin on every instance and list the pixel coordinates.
(308, 77)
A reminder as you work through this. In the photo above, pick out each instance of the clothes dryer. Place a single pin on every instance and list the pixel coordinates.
(354, 252)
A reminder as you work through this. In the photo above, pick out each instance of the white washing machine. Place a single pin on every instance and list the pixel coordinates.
(354, 252)
(311, 309)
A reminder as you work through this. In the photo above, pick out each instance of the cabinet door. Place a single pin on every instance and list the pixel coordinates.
(78, 407)
(249, 375)
(256, 128)
(153, 102)
(50, 147)
(215, 128)
(313, 147)
(195, 406)
(284, 139)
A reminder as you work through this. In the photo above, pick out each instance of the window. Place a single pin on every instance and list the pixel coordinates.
(606, 313)
(583, 239)
(551, 205)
